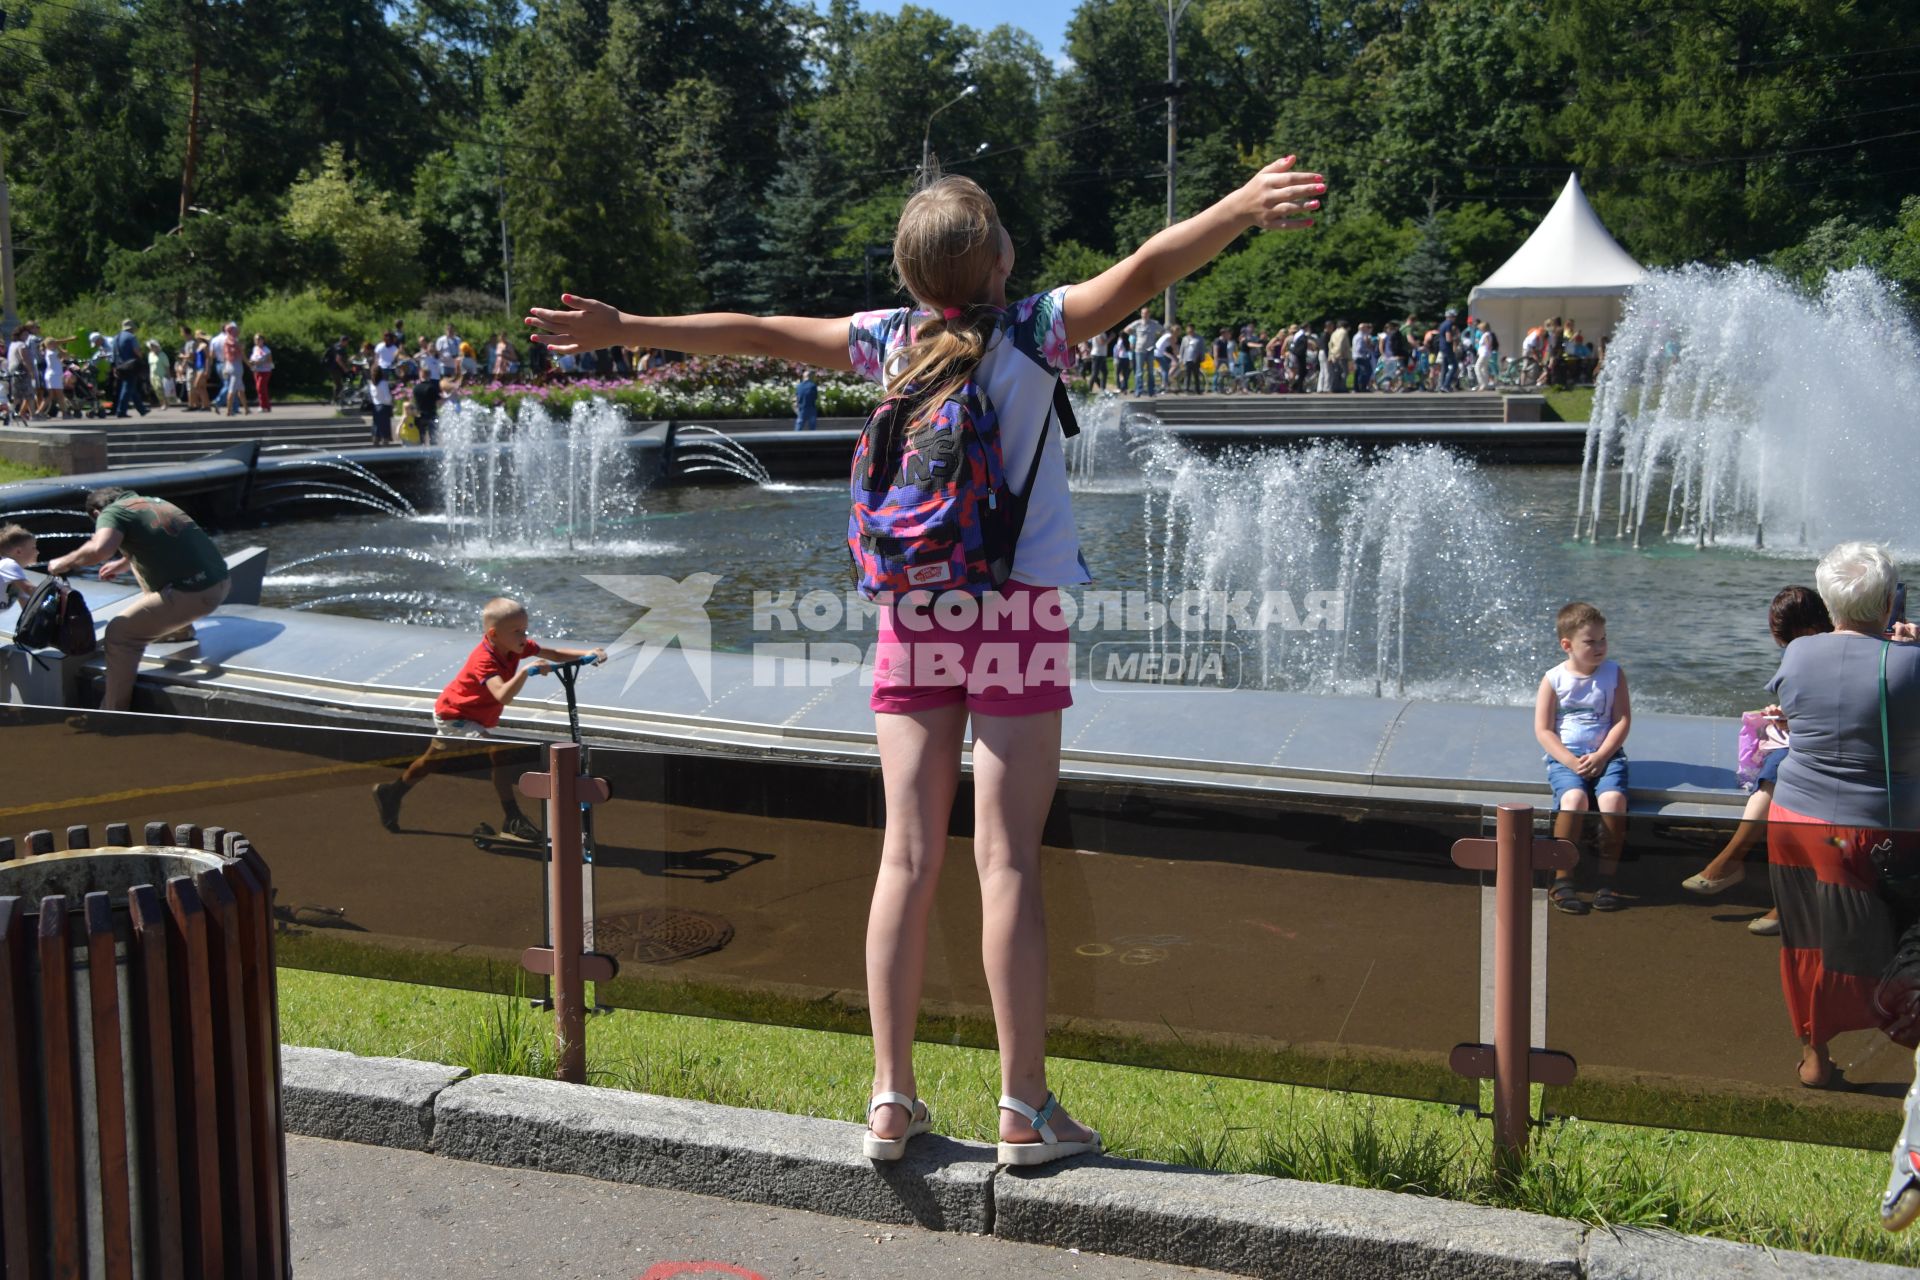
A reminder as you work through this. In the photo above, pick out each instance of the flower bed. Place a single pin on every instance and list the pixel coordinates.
(718, 387)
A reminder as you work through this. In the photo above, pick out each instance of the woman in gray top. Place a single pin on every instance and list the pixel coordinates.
(1838, 795)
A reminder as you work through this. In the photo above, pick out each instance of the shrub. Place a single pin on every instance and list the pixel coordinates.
(299, 327)
(475, 316)
(648, 402)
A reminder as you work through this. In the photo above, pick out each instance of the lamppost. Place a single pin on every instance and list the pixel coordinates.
(1175, 10)
(7, 317)
(926, 138)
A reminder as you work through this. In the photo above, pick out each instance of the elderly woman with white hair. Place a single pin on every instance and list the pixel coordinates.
(1851, 780)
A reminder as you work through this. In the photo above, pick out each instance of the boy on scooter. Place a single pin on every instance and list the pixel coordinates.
(470, 706)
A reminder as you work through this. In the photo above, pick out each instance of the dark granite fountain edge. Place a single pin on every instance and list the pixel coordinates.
(261, 663)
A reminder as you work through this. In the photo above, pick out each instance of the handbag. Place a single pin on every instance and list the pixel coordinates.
(1759, 737)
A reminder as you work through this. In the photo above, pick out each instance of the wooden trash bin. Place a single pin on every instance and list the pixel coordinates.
(140, 1127)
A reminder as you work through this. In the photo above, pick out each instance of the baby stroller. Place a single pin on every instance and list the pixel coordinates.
(82, 393)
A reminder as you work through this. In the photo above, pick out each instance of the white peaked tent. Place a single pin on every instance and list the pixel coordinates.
(1569, 267)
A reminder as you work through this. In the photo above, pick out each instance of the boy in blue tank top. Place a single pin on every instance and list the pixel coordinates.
(1581, 717)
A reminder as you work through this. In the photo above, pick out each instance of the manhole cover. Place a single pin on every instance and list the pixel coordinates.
(661, 935)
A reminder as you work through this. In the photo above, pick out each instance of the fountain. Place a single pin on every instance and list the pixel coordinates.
(1741, 410)
(533, 481)
(699, 448)
(1399, 539)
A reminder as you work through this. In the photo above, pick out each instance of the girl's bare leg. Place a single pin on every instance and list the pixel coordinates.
(920, 767)
(1016, 765)
(1752, 827)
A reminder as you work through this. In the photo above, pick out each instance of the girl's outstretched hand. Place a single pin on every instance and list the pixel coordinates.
(591, 326)
(1277, 198)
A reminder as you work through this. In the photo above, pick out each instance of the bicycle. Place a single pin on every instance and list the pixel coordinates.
(1394, 375)
(355, 392)
(1517, 373)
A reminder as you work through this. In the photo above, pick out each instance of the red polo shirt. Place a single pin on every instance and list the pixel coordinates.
(468, 697)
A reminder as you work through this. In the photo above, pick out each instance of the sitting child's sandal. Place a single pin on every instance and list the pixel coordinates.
(1565, 898)
(1049, 1148)
(919, 1121)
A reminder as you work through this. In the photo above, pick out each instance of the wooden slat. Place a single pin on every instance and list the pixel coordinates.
(225, 959)
(6, 848)
(22, 1198)
(109, 1093)
(78, 837)
(149, 994)
(262, 1081)
(239, 848)
(119, 835)
(195, 1069)
(213, 839)
(65, 1217)
(156, 833)
(39, 842)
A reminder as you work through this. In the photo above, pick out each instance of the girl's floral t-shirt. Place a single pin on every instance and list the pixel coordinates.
(1025, 358)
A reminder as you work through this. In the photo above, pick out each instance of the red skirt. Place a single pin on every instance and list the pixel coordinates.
(1837, 931)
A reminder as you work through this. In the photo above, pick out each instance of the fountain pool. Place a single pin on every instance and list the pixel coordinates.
(1689, 626)
(1723, 460)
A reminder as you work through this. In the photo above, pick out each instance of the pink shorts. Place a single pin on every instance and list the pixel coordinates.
(1003, 654)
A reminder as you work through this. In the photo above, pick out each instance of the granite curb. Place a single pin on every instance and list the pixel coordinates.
(767, 1157)
(1253, 1225)
(1239, 1223)
(384, 1102)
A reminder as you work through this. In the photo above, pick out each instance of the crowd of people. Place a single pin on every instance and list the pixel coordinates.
(49, 378)
(1145, 357)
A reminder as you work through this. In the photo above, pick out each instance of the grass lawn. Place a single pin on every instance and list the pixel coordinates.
(11, 471)
(1574, 404)
(1784, 1195)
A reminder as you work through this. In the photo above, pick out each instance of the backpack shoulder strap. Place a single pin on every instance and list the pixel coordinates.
(1063, 409)
(1886, 742)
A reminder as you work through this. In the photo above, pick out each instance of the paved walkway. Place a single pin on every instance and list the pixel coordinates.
(363, 1211)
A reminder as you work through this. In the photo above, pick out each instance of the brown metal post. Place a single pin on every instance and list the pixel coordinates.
(569, 989)
(567, 960)
(1511, 1061)
(1512, 976)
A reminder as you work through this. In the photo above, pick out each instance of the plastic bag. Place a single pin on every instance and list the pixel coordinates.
(1759, 735)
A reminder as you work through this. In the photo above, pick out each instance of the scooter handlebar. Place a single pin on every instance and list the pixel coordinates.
(584, 660)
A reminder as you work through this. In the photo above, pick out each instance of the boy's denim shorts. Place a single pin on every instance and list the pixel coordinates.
(1612, 778)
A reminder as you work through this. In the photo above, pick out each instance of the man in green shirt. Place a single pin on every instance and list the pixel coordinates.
(182, 577)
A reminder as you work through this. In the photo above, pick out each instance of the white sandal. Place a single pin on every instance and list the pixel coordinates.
(1707, 886)
(1049, 1148)
(919, 1121)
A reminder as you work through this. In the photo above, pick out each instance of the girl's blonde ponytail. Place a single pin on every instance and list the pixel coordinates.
(944, 252)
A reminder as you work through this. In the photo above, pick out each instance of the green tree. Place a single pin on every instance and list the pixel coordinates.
(1349, 265)
(367, 251)
(1070, 262)
(1892, 250)
(715, 203)
(1725, 135)
(584, 215)
(456, 202)
(1426, 273)
(86, 135)
(807, 269)
(211, 264)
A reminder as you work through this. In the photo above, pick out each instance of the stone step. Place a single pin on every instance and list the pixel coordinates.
(1421, 410)
(125, 452)
(1365, 407)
